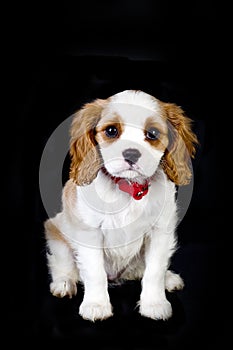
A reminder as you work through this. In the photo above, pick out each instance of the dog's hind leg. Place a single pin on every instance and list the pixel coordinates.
(61, 263)
(173, 281)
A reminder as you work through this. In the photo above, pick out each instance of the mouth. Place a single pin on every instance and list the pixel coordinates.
(133, 173)
(121, 169)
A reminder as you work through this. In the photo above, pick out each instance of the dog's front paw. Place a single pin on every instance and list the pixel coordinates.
(160, 310)
(93, 311)
(63, 287)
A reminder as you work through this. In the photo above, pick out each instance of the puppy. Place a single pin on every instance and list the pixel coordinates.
(129, 153)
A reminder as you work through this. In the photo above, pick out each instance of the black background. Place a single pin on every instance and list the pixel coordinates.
(61, 57)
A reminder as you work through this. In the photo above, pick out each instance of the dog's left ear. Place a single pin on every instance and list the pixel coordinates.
(85, 156)
(182, 145)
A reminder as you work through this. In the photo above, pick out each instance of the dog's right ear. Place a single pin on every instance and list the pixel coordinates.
(182, 145)
(84, 152)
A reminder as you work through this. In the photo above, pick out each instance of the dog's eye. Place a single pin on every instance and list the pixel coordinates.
(152, 133)
(111, 131)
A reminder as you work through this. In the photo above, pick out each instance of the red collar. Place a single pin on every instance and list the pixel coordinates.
(136, 190)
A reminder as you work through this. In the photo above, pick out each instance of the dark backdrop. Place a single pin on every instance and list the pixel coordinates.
(60, 58)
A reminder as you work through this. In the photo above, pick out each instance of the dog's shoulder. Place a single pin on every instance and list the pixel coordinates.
(69, 194)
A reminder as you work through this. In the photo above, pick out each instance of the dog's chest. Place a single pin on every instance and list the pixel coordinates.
(121, 219)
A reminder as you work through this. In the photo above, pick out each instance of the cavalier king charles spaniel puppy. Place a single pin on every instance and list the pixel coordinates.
(129, 153)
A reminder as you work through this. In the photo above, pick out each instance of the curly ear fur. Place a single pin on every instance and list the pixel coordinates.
(182, 143)
(85, 156)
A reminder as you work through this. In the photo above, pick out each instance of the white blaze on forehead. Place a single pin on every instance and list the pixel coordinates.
(133, 133)
(138, 98)
(134, 107)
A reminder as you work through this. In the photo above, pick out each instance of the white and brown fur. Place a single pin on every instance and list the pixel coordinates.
(104, 234)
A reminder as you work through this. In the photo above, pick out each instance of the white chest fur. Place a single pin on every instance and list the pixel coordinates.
(121, 218)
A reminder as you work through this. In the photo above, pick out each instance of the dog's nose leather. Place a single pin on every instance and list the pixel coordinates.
(131, 155)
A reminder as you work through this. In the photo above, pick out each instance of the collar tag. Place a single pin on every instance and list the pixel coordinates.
(136, 190)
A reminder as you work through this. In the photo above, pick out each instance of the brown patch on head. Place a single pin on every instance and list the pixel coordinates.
(158, 132)
(85, 156)
(104, 129)
(182, 144)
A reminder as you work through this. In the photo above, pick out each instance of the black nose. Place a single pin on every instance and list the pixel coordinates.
(131, 155)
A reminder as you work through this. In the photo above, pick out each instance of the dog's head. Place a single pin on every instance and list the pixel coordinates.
(130, 134)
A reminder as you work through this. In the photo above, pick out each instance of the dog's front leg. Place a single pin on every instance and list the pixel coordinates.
(96, 304)
(153, 302)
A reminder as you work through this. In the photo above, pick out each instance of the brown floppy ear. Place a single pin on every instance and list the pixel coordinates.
(84, 152)
(182, 145)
